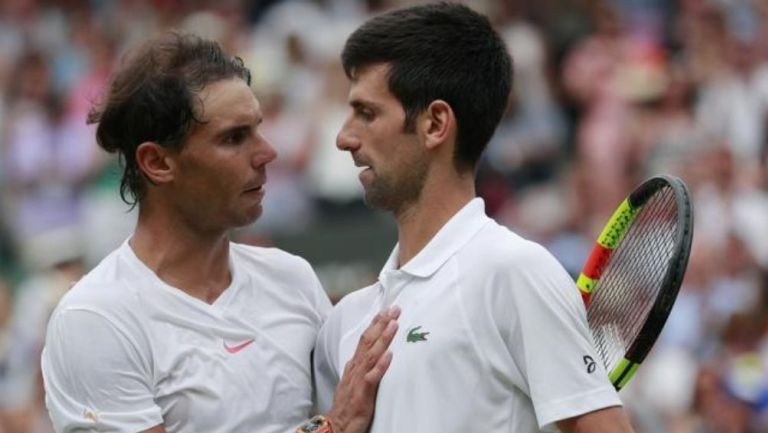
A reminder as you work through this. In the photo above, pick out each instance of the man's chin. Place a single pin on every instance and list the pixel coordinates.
(380, 201)
(249, 218)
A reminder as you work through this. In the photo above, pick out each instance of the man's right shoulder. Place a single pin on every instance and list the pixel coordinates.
(348, 314)
(357, 301)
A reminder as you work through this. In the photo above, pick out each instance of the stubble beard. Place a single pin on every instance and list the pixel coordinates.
(395, 193)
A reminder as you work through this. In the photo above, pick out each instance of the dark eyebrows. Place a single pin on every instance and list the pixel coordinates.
(358, 104)
(237, 128)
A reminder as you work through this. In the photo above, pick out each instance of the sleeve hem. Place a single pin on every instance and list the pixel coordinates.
(548, 414)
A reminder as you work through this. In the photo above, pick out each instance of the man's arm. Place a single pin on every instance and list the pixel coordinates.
(608, 420)
(95, 375)
(156, 429)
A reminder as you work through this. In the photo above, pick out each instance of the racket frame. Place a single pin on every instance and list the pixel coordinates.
(611, 237)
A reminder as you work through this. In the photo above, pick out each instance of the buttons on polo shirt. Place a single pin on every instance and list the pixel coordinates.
(391, 283)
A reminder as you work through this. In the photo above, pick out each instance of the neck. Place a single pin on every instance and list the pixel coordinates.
(420, 221)
(183, 257)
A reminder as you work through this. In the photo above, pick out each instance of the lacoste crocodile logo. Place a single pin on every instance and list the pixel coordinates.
(414, 336)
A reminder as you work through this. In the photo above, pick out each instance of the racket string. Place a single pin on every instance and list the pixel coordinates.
(625, 293)
(628, 312)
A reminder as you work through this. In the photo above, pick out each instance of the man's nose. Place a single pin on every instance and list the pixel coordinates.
(347, 139)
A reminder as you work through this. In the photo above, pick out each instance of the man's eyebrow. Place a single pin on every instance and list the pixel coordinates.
(237, 127)
(360, 103)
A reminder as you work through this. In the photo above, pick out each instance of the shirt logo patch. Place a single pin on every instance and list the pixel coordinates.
(237, 347)
(590, 363)
(414, 336)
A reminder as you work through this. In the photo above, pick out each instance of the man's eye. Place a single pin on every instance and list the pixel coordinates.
(235, 137)
(365, 114)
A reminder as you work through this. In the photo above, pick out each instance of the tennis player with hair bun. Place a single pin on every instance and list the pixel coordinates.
(493, 334)
(179, 329)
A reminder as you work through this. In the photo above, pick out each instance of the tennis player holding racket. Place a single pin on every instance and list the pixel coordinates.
(179, 329)
(493, 335)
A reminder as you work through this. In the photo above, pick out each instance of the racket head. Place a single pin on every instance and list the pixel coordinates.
(632, 277)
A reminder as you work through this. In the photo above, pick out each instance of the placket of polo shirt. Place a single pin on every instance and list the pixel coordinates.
(392, 282)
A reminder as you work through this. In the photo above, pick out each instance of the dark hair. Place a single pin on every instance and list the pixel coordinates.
(152, 98)
(440, 51)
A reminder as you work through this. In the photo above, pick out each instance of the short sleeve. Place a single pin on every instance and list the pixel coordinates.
(322, 303)
(550, 342)
(325, 361)
(97, 376)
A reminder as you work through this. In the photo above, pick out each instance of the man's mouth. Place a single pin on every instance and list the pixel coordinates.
(362, 165)
(254, 189)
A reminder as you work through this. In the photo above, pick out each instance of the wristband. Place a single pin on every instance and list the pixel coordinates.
(318, 424)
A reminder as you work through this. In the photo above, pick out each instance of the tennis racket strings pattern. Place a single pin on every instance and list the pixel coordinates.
(633, 274)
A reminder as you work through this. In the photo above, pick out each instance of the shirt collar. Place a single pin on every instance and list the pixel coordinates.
(452, 236)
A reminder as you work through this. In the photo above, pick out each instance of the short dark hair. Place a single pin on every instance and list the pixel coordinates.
(152, 98)
(441, 51)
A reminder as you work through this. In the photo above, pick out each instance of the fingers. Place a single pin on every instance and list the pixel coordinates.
(376, 328)
(356, 393)
(375, 374)
(379, 347)
(373, 342)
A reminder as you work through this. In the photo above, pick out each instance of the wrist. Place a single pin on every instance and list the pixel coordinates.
(317, 424)
(339, 419)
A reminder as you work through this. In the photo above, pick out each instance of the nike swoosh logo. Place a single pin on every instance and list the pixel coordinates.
(237, 347)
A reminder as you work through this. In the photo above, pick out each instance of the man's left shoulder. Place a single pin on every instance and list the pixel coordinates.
(269, 257)
(496, 245)
(498, 256)
(278, 267)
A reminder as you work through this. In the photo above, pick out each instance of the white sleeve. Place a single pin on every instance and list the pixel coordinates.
(322, 303)
(325, 362)
(97, 376)
(549, 339)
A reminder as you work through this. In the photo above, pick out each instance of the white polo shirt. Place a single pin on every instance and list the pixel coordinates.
(125, 351)
(492, 337)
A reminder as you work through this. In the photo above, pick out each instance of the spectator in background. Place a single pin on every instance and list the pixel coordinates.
(530, 141)
(55, 261)
(592, 77)
(6, 418)
(47, 157)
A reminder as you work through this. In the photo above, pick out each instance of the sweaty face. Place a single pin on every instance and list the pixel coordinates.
(221, 169)
(394, 162)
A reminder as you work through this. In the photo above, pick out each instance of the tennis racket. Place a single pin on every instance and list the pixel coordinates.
(631, 278)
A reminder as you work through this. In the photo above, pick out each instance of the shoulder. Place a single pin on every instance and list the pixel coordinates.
(358, 301)
(273, 260)
(496, 249)
(282, 273)
(108, 290)
(350, 310)
(274, 266)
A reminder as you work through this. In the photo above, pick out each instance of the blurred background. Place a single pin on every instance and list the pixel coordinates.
(607, 93)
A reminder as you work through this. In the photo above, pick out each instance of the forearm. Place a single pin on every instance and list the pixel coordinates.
(609, 420)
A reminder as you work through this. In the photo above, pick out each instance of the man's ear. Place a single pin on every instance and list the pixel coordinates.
(438, 124)
(155, 162)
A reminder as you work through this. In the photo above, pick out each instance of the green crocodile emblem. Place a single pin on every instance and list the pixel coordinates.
(415, 336)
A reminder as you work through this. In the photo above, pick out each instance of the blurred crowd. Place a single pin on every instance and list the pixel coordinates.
(607, 93)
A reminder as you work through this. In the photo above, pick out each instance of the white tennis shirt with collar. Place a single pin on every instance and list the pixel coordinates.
(125, 351)
(492, 337)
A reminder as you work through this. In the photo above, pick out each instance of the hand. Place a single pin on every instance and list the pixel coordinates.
(355, 398)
